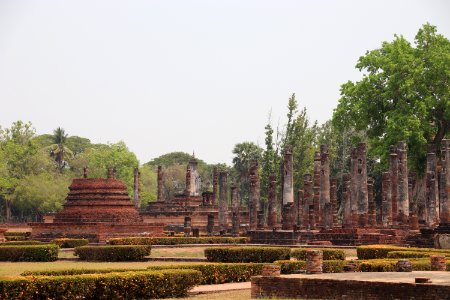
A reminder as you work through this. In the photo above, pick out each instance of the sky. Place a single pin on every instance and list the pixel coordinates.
(188, 76)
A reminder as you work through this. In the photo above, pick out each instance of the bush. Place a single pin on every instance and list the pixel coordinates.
(70, 243)
(381, 251)
(77, 272)
(247, 254)
(20, 233)
(388, 265)
(176, 240)
(21, 243)
(29, 253)
(220, 273)
(328, 254)
(329, 266)
(413, 254)
(112, 253)
(124, 285)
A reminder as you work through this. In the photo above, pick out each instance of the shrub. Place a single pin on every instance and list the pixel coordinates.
(21, 243)
(20, 233)
(176, 240)
(388, 265)
(329, 266)
(124, 285)
(247, 254)
(112, 253)
(413, 254)
(29, 253)
(328, 254)
(15, 238)
(77, 272)
(70, 243)
(381, 251)
(220, 273)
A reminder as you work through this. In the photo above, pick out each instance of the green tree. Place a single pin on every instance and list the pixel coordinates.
(404, 95)
(244, 153)
(59, 150)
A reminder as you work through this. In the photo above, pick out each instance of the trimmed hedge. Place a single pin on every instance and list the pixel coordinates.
(328, 254)
(176, 240)
(21, 243)
(19, 233)
(414, 254)
(67, 272)
(112, 253)
(381, 251)
(29, 253)
(124, 285)
(388, 265)
(247, 254)
(329, 266)
(15, 238)
(216, 273)
(70, 243)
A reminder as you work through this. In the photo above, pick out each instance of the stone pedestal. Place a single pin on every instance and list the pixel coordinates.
(403, 265)
(314, 261)
(438, 263)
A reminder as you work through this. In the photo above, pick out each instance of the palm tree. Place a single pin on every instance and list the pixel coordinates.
(59, 150)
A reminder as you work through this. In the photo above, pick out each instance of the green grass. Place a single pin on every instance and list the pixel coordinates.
(178, 252)
(16, 268)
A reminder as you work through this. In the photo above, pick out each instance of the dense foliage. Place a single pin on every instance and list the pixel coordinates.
(113, 253)
(29, 253)
(328, 254)
(176, 240)
(247, 254)
(70, 243)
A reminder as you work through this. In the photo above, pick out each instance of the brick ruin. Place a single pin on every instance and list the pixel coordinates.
(97, 209)
(208, 212)
(401, 218)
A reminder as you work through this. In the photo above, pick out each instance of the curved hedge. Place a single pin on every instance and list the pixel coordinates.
(29, 253)
(70, 243)
(176, 240)
(124, 285)
(328, 254)
(21, 243)
(112, 253)
(247, 254)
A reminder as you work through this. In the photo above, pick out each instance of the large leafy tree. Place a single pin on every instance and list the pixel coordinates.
(404, 95)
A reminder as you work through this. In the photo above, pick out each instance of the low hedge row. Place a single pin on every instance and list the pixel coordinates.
(291, 266)
(16, 233)
(66, 272)
(70, 243)
(216, 273)
(381, 251)
(414, 254)
(29, 253)
(21, 243)
(247, 254)
(388, 265)
(16, 238)
(328, 254)
(113, 253)
(124, 285)
(176, 240)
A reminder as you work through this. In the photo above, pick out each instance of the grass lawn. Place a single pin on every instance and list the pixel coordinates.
(178, 252)
(235, 295)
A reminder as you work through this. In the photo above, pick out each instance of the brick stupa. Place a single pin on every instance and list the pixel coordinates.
(97, 209)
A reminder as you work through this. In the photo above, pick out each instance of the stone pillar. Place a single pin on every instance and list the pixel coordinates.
(413, 211)
(386, 199)
(316, 189)
(288, 177)
(403, 198)
(261, 221)
(393, 169)
(361, 185)
(223, 201)
(333, 201)
(307, 200)
(346, 201)
(432, 218)
(300, 205)
(235, 209)
(187, 226)
(372, 205)
(272, 202)
(85, 172)
(210, 225)
(137, 188)
(188, 181)
(354, 187)
(215, 182)
(324, 184)
(314, 261)
(254, 195)
(160, 184)
(445, 182)
(432, 167)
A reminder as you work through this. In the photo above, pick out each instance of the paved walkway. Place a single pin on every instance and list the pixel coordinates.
(214, 288)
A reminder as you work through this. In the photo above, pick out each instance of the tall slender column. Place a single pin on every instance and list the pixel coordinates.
(432, 218)
(254, 195)
(346, 201)
(160, 185)
(445, 182)
(299, 207)
(324, 183)
(272, 202)
(288, 190)
(393, 169)
(434, 189)
(403, 197)
(333, 200)
(361, 182)
(307, 200)
(215, 182)
(137, 188)
(188, 181)
(386, 199)
(235, 209)
(354, 187)
(413, 211)
(223, 201)
(316, 190)
(372, 206)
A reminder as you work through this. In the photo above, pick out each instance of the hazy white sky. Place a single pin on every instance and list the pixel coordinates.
(187, 75)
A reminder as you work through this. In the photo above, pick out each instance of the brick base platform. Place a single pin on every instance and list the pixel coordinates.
(368, 286)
